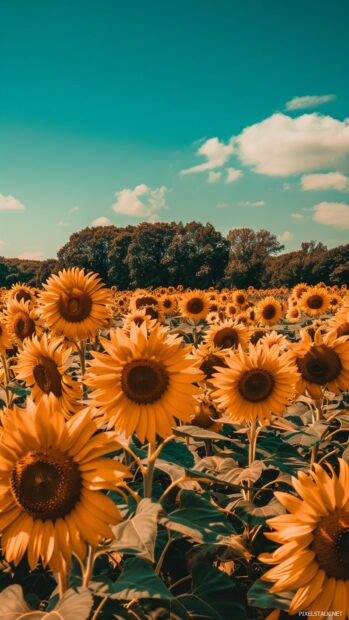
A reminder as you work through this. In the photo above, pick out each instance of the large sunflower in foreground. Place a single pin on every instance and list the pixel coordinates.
(143, 382)
(69, 607)
(43, 364)
(75, 304)
(313, 560)
(227, 335)
(322, 362)
(51, 475)
(255, 384)
(194, 305)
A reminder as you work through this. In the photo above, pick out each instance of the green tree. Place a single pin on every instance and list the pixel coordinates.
(248, 254)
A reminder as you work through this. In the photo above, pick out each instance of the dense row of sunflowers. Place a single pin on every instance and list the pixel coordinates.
(173, 453)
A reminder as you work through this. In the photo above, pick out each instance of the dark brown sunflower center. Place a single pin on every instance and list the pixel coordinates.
(331, 544)
(268, 312)
(227, 338)
(75, 305)
(47, 485)
(240, 300)
(257, 335)
(195, 305)
(47, 377)
(144, 381)
(146, 301)
(315, 302)
(152, 311)
(24, 326)
(209, 363)
(256, 385)
(320, 365)
(21, 294)
(167, 303)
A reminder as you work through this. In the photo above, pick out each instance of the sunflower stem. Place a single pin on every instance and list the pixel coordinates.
(149, 472)
(89, 567)
(252, 436)
(100, 607)
(6, 380)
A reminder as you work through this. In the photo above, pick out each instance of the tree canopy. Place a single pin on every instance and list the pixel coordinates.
(193, 254)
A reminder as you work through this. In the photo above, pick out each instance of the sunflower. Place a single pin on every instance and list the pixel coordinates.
(207, 358)
(322, 363)
(312, 560)
(169, 303)
(227, 335)
(5, 342)
(255, 384)
(71, 605)
(206, 417)
(22, 321)
(272, 338)
(293, 314)
(194, 305)
(314, 301)
(22, 292)
(75, 304)
(51, 475)
(43, 365)
(269, 311)
(212, 318)
(143, 381)
(240, 299)
(299, 290)
(139, 317)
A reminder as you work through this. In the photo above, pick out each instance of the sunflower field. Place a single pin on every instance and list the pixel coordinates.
(173, 454)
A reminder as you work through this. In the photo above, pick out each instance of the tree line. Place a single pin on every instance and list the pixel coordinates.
(193, 254)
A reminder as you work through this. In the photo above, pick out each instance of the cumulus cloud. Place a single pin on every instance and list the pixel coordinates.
(216, 154)
(285, 236)
(101, 221)
(281, 145)
(233, 174)
(249, 203)
(142, 201)
(328, 180)
(10, 203)
(32, 255)
(334, 214)
(213, 176)
(299, 103)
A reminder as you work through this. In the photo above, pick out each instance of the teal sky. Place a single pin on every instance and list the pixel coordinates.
(107, 102)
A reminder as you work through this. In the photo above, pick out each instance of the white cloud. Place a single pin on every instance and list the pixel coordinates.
(281, 145)
(285, 236)
(32, 255)
(298, 216)
(213, 176)
(101, 221)
(334, 214)
(10, 203)
(327, 180)
(2, 243)
(299, 103)
(233, 174)
(73, 210)
(216, 153)
(142, 201)
(222, 205)
(255, 203)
